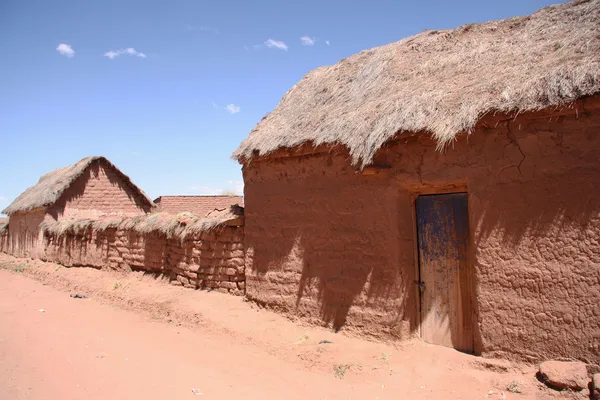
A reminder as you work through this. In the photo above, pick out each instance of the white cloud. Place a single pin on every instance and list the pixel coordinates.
(209, 29)
(130, 51)
(65, 50)
(3, 199)
(327, 42)
(277, 44)
(232, 108)
(307, 40)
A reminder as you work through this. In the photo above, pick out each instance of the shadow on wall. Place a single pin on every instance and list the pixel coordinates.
(340, 249)
(25, 234)
(515, 211)
(324, 250)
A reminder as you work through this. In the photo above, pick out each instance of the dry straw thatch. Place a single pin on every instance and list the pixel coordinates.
(52, 185)
(441, 82)
(181, 226)
(3, 228)
(66, 226)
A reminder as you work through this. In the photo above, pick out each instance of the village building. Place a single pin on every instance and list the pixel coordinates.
(88, 189)
(446, 185)
(202, 206)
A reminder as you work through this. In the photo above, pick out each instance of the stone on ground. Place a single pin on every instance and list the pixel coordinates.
(564, 374)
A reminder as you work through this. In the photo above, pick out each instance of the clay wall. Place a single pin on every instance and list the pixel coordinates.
(212, 260)
(3, 240)
(337, 247)
(100, 190)
(202, 206)
(24, 235)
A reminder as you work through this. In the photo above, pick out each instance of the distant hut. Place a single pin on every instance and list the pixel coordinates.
(202, 206)
(447, 186)
(87, 189)
(3, 233)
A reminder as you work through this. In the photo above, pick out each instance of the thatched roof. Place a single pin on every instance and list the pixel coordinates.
(441, 82)
(180, 226)
(52, 185)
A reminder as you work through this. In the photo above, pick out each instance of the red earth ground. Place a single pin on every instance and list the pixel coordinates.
(136, 337)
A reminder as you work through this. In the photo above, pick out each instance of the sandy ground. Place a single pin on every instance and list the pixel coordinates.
(136, 337)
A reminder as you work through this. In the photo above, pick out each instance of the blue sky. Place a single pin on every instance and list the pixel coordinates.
(168, 89)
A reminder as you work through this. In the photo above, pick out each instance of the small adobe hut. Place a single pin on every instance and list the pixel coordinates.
(202, 206)
(447, 186)
(88, 189)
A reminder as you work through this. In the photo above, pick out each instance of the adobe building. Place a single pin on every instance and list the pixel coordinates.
(446, 186)
(202, 206)
(88, 189)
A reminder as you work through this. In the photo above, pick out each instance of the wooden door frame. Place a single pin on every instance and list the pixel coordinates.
(451, 188)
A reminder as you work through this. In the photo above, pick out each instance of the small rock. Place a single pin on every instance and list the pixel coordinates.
(596, 386)
(564, 374)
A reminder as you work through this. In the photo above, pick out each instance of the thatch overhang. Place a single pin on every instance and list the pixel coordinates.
(181, 226)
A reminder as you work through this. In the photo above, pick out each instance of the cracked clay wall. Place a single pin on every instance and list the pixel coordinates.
(336, 247)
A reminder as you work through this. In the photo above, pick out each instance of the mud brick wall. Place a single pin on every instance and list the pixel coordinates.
(94, 249)
(336, 247)
(212, 260)
(100, 190)
(202, 206)
(24, 235)
(3, 242)
(221, 262)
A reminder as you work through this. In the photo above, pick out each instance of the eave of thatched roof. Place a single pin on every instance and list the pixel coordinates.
(53, 184)
(441, 82)
(173, 226)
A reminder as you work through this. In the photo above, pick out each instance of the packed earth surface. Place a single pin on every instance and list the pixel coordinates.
(132, 336)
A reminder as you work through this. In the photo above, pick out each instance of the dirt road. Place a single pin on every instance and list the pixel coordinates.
(92, 349)
(78, 349)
